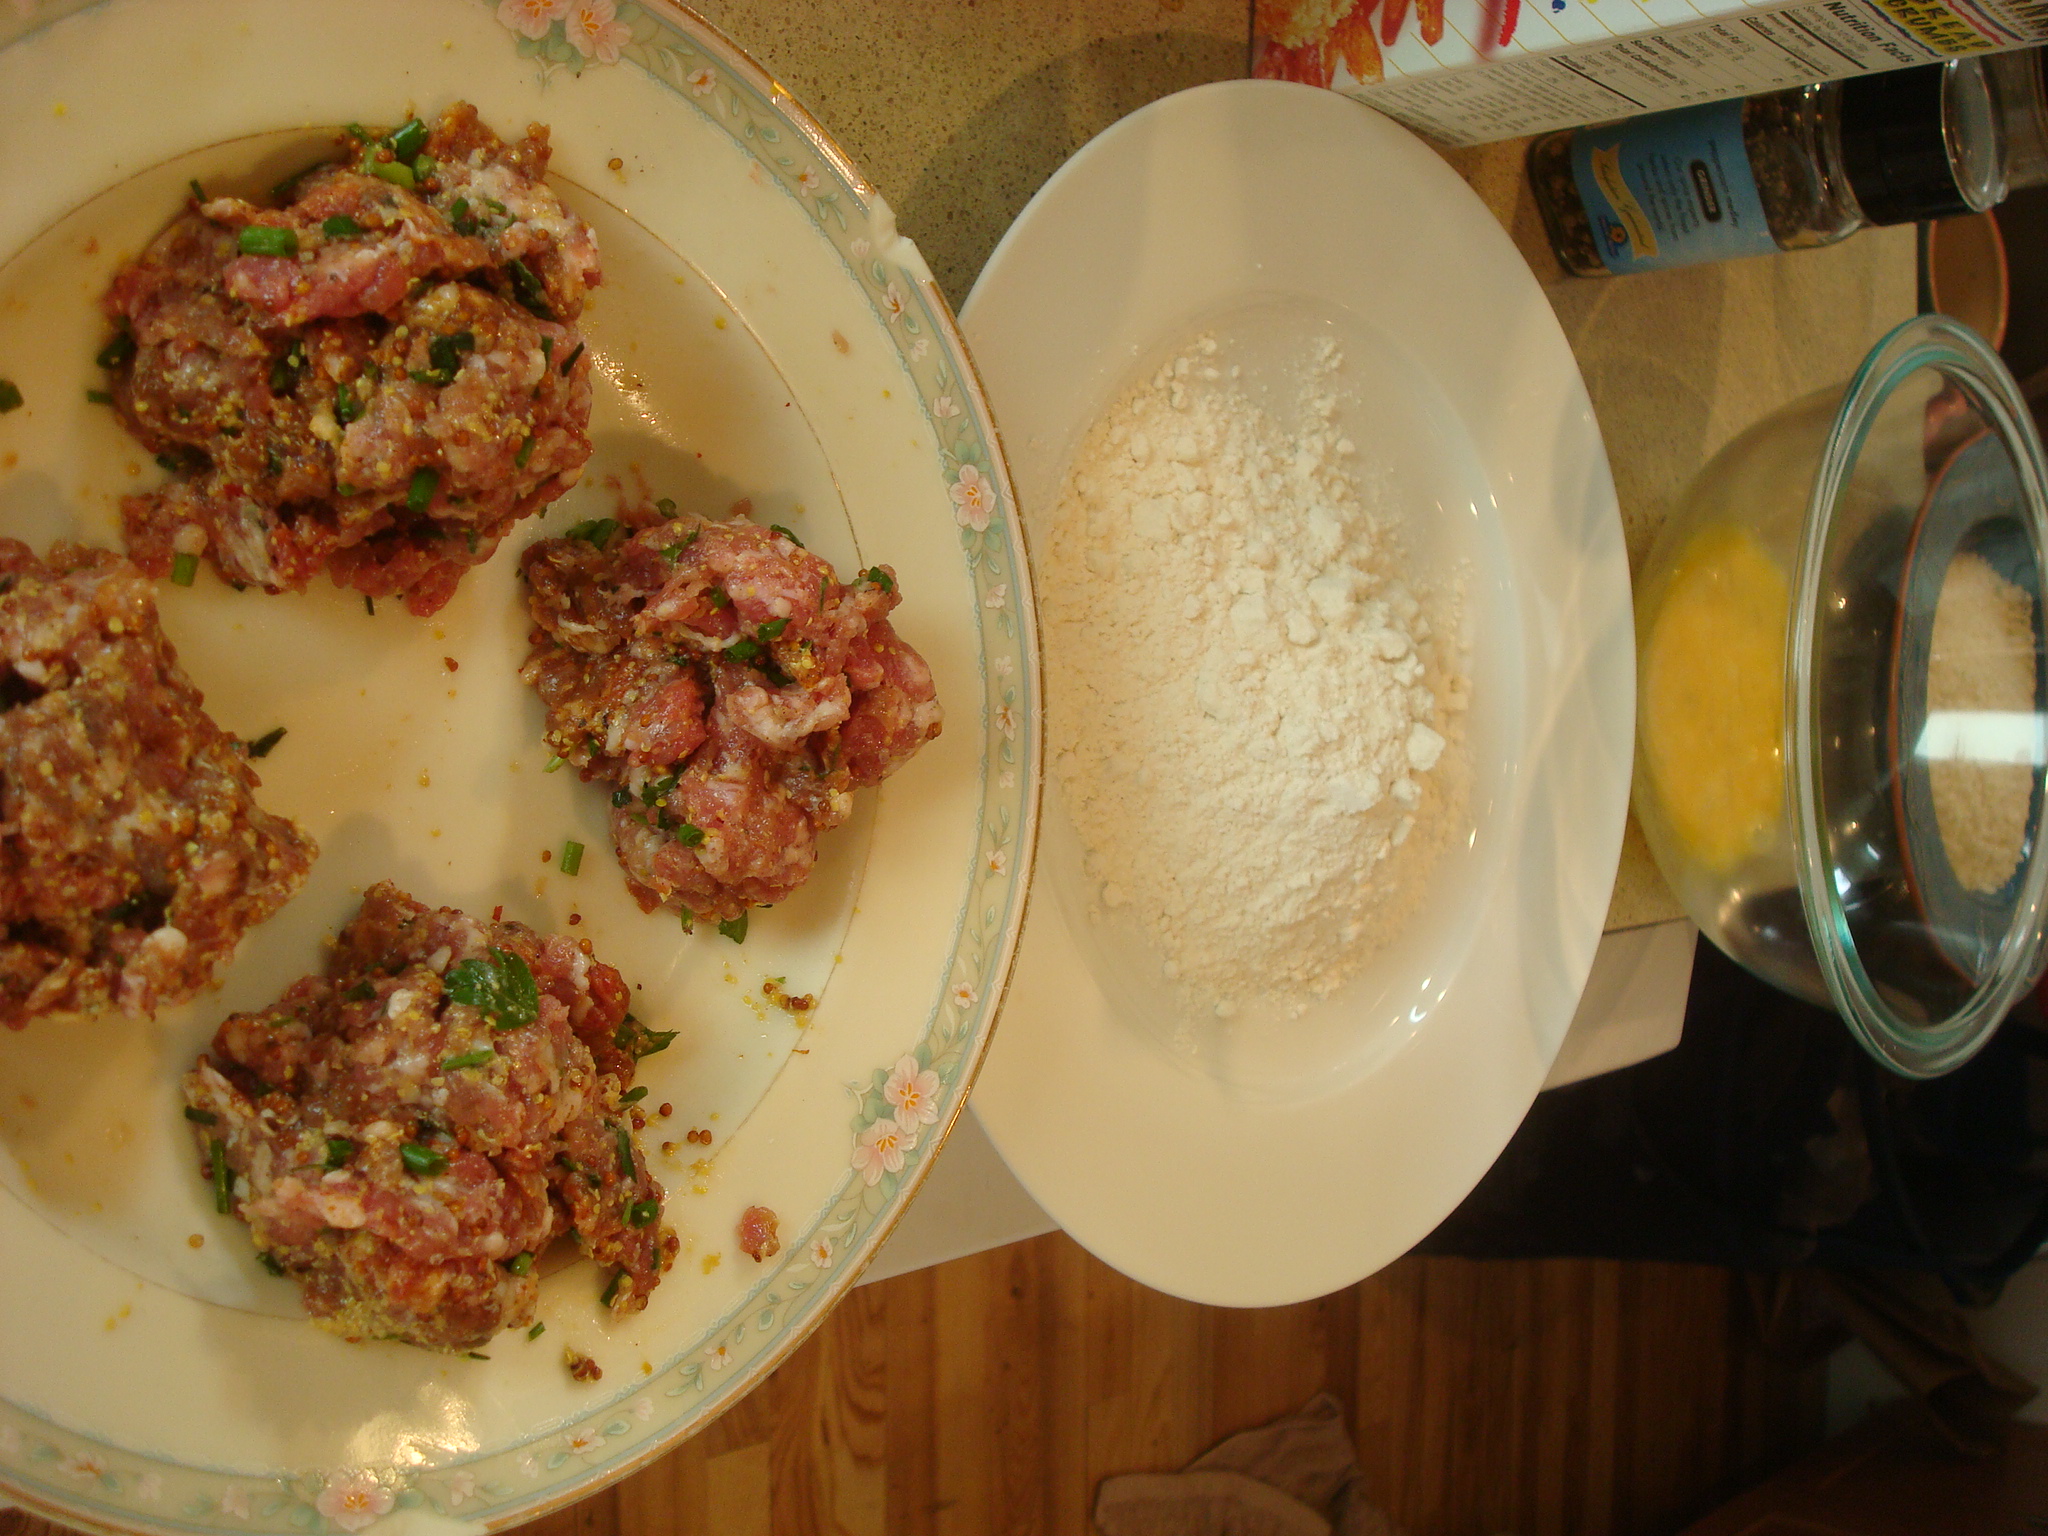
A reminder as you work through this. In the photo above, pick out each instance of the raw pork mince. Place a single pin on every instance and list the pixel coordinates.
(133, 854)
(732, 691)
(406, 1134)
(378, 378)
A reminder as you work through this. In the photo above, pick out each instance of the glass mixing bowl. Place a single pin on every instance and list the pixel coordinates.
(1842, 712)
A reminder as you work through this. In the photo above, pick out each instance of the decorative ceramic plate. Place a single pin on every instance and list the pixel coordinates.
(1268, 1159)
(762, 333)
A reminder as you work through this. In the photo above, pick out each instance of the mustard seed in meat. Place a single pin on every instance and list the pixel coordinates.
(731, 690)
(405, 1134)
(133, 854)
(365, 380)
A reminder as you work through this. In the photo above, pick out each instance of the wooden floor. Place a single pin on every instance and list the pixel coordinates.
(989, 1396)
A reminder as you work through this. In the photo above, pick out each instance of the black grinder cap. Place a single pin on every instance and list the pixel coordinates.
(1897, 152)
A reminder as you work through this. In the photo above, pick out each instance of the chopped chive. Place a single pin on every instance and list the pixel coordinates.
(10, 396)
(533, 294)
(772, 630)
(482, 1058)
(736, 930)
(357, 132)
(743, 649)
(408, 138)
(666, 507)
(623, 1145)
(170, 462)
(267, 240)
(642, 1212)
(572, 857)
(495, 205)
(458, 215)
(361, 992)
(423, 166)
(198, 192)
(284, 373)
(500, 986)
(397, 172)
(718, 597)
(553, 763)
(876, 576)
(223, 1196)
(419, 495)
(99, 397)
(525, 452)
(347, 407)
(269, 1261)
(183, 569)
(116, 352)
(536, 1330)
(339, 1150)
(475, 1356)
(201, 1116)
(612, 1289)
(633, 1095)
(778, 528)
(621, 797)
(369, 605)
(547, 349)
(570, 361)
(689, 836)
(343, 488)
(594, 531)
(520, 1264)
(262, 745)
(420, 1160)
(689, 926)
(341, 224)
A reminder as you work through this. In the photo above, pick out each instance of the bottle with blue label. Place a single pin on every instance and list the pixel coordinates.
(1778, 172)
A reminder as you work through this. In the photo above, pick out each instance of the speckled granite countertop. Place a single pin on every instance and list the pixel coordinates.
(958, 110)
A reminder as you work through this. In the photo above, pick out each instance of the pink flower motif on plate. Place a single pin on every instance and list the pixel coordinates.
(998, 595)
(352, 1500)
(593, 30)
(892, 303)
(461, 1485)
(881, 1149)
(998, 862)
(644, 1409)
(701, 82)
(920, 347)
(1006, 721)
(149, 1487)
(581, 1442)
(974, 499)
(82, 1465)
(719, 1355)
(945, 406)
(235, 1501)
(532, 18)
(964, 996)
(809, 182)
(820, 1252)
(914, 1092)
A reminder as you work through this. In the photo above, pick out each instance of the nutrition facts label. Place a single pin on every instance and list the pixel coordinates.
(1564, 83)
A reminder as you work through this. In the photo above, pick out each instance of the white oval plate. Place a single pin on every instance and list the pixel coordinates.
(1272, 1160)
(762, 333)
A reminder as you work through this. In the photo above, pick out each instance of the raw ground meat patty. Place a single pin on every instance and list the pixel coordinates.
(729, 687)
(378, 378)
(133, 854)
(407, 1134)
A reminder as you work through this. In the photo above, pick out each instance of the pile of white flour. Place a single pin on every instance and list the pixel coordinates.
(1257, 707)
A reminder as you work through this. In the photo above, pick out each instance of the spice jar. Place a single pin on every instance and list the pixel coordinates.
(1782, 171)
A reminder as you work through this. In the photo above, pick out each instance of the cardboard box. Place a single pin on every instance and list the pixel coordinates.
(1470, 71)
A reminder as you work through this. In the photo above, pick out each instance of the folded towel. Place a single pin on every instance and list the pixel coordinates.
(1296, 1476)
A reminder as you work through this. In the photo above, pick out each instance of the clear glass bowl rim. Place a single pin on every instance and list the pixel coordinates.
(1912, 1049)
